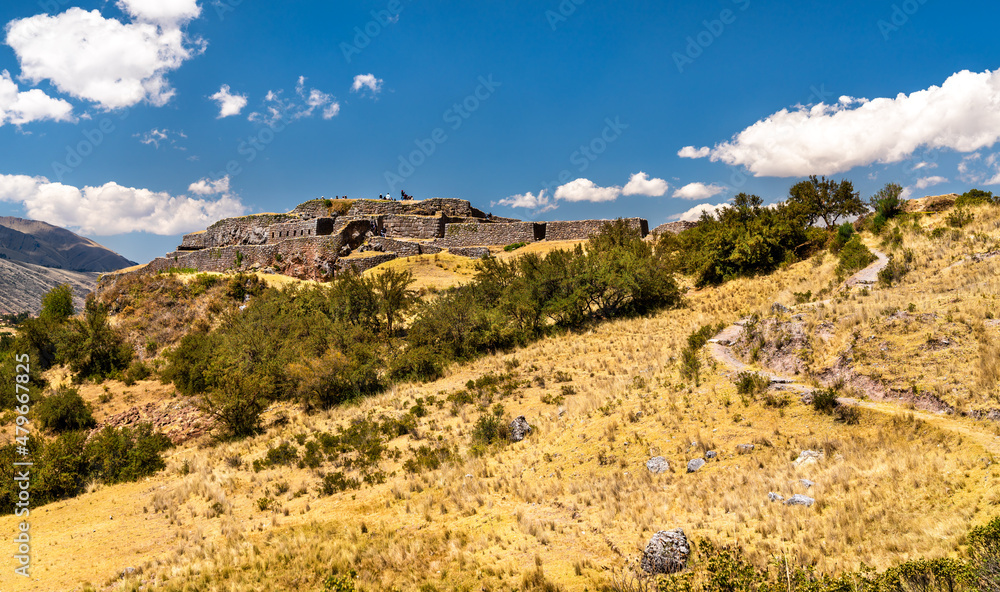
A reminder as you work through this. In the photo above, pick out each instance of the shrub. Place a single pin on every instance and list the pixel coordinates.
(64, 410)
(126, 454)
(896, 269)
(825, 400)
(975, 197)
(854, 256)
(92, 348)
(336, 482)
(959, 217)
(751, 383)
(490, 428)
(844, 233)
(514, 247)
(57, 304)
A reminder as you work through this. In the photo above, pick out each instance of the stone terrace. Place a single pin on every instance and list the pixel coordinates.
(320, 238)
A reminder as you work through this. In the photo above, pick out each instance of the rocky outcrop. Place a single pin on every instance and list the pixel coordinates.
(519, 429)
(657, 465)
(666, 553)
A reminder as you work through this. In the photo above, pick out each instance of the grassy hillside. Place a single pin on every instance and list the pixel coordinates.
(574, 502)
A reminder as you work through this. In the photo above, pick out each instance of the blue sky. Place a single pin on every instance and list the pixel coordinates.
(135, 121)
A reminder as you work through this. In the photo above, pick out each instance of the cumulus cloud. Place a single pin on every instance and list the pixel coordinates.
(641, 184)
(924, 165)
(960, 115)
(694, 214)
(166, 13)
(363, 81)
(926, 182)
(586, 190)
(19, 107)
(692, 152)
(111, 63)
(209, 187)
(539, 203)
(277, 108)
(229, 104)
(113, 208)
(698, 191)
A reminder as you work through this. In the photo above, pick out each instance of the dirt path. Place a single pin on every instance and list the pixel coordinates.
(720, 350)
(869, 275)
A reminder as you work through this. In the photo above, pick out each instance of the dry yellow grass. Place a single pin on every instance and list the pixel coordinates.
(575, 498)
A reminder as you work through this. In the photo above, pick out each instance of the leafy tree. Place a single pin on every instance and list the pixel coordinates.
(824, 199)
(887, 204)
(57, 304)
(392, 289)
(64, 410)
(92, 348)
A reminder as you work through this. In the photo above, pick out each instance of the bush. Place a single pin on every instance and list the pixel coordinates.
(844, 233)
(490, 428)
(975, 197)
(126, 454)
(959, 217)
(92, 348)
(896, 269)
(854, 257)
(751, 383)
(57, 304)
(825, 400)
(64, 410)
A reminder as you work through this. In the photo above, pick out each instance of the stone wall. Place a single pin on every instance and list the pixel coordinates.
(673, 227)
(469, 235)
(428, 207)
(248, 230)
(298, 229)
(401, 226)
(471, 252)
(584, 229)
(362, 264)
(388, 245)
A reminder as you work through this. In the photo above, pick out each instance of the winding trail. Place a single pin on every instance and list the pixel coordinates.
(869, 275)
(719, 347)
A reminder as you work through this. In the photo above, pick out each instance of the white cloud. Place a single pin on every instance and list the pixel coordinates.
(698, 191)
(961, 115)
(229, 104)
(586, 190)
(694, 214)
(641, 184)
(277, 108)
(155, 136)
(540, 203)
(114, 209)
(692, 152)
(363, 81)
(111, 63)
(926, 182)
(166, 13)
(32, 105)
(209, 187)
(924, 165)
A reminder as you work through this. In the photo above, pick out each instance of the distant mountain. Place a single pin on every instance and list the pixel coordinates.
(40, 243)
(37, 256)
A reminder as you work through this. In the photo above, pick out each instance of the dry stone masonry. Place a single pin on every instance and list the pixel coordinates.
(320, 238)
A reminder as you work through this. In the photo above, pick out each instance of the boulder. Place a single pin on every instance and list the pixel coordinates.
(695, 464)
(808, 457)
(519, 428)
(667, 552)
(711, 454)
(657, 464)
(744, 448)
(779, 308)
(806, 483)
(799, 500)
(774, 497)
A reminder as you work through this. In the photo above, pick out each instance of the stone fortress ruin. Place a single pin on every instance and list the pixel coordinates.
(322, 237)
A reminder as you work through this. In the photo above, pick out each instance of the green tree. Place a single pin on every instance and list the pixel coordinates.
(395, 298)
(92, 348)
(57, 304)
(64, 410)
(824, 199)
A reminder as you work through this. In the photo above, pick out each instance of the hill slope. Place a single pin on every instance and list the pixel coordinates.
(22, 285)
(40, 243)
